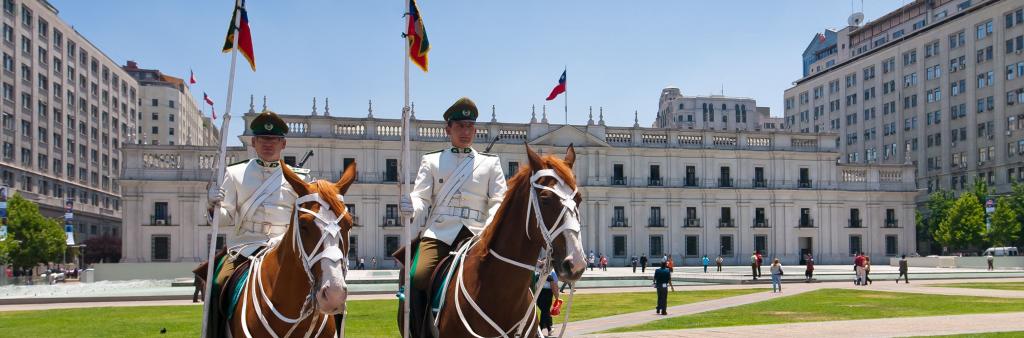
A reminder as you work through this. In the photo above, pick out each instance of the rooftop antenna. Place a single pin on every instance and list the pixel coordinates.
(857, 17)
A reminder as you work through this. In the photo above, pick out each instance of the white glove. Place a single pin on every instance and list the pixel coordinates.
(405, 206)
(214, 197)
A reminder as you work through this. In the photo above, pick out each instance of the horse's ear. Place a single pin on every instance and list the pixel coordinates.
(294, 180)
(535, 162)
(570, 155)
(347, 177)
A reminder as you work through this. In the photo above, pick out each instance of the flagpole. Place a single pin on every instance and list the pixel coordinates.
(403, 187)
(219, 175)
(566, 97)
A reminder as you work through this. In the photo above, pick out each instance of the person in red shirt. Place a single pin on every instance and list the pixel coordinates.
(858, 266)
(760, 259)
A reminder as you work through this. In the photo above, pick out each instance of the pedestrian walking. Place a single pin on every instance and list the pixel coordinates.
(548, 293)
(753, 265)
(200, 286)
(867, 269)
(718, 262)
(662, 282)
(671, 265)
(760, 260)
(991, 261)
(362, 263)
(809, 272)
(590, 261)
(706, 261)
(373, 263)
(643, 263)
(633, 262)
(776, 271)
(604, 263)
(903, 271)
(858, 268)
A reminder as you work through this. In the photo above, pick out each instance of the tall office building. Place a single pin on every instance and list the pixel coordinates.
(168, 112)
(937, 84)
(67, 109)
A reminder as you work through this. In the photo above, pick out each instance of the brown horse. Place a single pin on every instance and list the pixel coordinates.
(295, 286)
(490, 292)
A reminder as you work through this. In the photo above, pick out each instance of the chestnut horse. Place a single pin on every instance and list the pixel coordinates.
(490, 293)
(288, 293)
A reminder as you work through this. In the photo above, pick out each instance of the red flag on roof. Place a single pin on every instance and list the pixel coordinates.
(559, 88)
(209, 101)
(191, 77)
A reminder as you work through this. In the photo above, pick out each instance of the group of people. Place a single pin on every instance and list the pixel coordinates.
(599, 261)
(862, 267)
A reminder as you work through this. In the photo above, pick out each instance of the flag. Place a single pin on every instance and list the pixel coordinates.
(821, 38)
(191, 77)
(417, 36)
(244, 35)
(209, 101)
(560, 88)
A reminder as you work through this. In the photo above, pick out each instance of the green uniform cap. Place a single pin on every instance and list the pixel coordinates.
(268, 123)
(463, 109)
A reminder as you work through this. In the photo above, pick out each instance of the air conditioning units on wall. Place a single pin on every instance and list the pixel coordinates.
(390, 222)
(161, 222)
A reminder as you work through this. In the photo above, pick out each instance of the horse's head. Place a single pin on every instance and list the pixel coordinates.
(319, 233)
(558, 199)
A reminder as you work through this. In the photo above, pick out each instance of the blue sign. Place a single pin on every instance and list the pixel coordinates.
(69, 228)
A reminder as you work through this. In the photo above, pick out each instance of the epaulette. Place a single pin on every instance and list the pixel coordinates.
(240, 162)
(434, 152)
(488, 154)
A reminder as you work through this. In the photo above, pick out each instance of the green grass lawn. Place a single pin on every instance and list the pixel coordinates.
(983, 335)
(1012, 286)
(366, 318)
(835, 304)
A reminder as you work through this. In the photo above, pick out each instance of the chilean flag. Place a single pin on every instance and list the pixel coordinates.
(560, 88)
(209, 101)
(191, 77)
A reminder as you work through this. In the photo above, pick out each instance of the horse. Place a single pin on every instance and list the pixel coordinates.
(490, 292)
(287, 293)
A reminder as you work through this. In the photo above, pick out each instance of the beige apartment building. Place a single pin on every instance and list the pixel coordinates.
(936, 84)
(168, 113)
(712, 112)
(67, 109)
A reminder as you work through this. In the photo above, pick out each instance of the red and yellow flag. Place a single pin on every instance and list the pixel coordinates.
(244, 35)
(417, 36)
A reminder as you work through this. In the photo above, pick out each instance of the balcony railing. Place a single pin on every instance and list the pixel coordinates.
(692, 223)
(160, 220)
(854, 223)
(391, 221)
(620, 222)
(761, 223)
(726, 223)
(892, 223)
(654, 182)
(806, 223)
(804, 184)
(690, 181)
(656, 222)
(725, 182)
(618, 181)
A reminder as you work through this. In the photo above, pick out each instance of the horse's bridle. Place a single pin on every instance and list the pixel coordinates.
(568, 219)
(330, 233)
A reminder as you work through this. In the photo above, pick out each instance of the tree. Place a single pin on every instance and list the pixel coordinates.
(104, 248)
(1016, 202)
(938, 205)
(964, 225)
(41, 239)
(1005, 229)
(982, 191)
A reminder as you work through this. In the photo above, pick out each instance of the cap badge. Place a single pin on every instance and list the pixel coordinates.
(268, 126)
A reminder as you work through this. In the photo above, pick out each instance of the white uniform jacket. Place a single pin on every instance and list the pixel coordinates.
(473, 204)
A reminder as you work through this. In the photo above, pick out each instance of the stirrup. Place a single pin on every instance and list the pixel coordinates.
(401, 293)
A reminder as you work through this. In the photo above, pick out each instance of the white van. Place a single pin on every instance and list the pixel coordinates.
(1002, 251)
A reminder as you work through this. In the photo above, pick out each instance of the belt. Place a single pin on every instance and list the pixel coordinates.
(461, 212)
(263, 228)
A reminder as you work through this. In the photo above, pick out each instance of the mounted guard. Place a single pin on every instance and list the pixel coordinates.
(254, 204)
(456, 194)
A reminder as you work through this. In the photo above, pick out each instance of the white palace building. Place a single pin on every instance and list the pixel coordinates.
(680, 192)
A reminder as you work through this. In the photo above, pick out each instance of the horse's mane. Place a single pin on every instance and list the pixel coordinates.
(518, 186)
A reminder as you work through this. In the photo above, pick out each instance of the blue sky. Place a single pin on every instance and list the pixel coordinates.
(505, 53)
